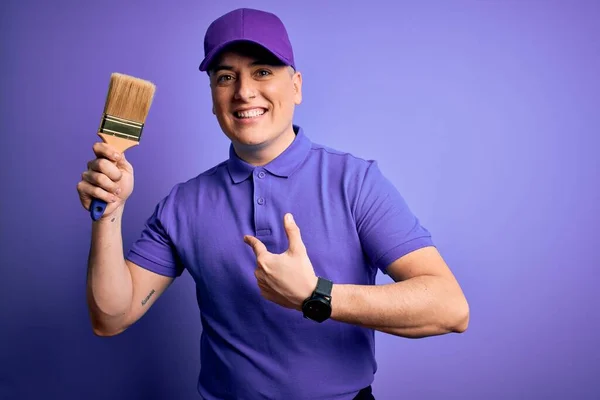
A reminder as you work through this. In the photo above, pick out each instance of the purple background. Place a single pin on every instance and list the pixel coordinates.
(485, 114)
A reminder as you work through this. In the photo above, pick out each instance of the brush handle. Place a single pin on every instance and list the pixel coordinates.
(98, 206)
(97, 209)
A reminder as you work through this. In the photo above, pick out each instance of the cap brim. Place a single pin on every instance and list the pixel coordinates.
(210, 57)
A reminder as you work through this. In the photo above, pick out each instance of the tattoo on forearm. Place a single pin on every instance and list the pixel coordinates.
(148, 297)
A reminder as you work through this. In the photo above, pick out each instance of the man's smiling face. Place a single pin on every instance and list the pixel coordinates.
(254, 95)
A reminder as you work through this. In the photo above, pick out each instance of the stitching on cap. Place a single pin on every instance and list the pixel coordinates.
(243, 27)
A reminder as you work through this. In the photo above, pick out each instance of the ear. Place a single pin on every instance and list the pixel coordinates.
(297, 82)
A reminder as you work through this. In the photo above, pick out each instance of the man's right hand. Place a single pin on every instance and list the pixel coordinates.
(109, 177)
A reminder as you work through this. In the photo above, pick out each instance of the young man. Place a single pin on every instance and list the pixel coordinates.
(283, 239)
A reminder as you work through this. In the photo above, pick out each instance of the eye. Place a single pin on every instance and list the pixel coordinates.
(263, 73)
(224, 78)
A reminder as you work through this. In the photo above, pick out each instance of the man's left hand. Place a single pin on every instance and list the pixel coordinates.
(287, 278)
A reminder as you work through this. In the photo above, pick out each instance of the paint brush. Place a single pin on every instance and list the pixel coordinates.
(127, 105)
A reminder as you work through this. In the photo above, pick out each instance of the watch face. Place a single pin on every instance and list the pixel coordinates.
(317, 310)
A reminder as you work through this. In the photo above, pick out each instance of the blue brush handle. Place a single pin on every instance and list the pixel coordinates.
(97, 209)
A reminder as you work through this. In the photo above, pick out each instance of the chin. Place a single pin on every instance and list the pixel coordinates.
(250, 137)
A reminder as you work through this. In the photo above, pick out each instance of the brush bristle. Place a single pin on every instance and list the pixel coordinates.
(129, 97)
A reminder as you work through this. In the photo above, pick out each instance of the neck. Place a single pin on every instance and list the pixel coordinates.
(267, 152)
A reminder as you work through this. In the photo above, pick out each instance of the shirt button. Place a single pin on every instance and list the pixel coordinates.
(261, 174)
(261, 201)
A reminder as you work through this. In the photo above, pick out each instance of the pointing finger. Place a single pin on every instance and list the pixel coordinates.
(257, 246)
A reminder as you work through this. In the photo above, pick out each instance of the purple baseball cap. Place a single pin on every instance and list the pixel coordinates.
(247, 25)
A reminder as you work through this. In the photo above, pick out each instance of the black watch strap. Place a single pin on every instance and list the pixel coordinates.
(324, 287)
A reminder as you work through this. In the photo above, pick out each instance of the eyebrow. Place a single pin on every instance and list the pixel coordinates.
(221, 67)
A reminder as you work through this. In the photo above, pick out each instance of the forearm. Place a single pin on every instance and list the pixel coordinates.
(109, 282)
(418, 307)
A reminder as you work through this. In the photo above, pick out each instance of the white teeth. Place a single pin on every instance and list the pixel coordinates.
(250, 114)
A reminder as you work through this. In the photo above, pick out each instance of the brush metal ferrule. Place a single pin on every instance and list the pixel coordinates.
(121, 127)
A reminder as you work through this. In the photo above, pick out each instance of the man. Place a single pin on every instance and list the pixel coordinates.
(283, 239)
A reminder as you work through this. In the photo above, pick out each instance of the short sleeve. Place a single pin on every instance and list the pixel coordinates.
(154, 249)
(386, 226)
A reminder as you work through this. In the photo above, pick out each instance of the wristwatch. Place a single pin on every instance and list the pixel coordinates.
(318, 306)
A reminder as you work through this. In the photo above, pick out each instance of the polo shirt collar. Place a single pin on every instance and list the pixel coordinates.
(283, 165)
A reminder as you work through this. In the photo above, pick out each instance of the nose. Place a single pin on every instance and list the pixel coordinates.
(245, 89)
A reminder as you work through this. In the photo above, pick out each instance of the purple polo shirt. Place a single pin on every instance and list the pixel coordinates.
(353, 222)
